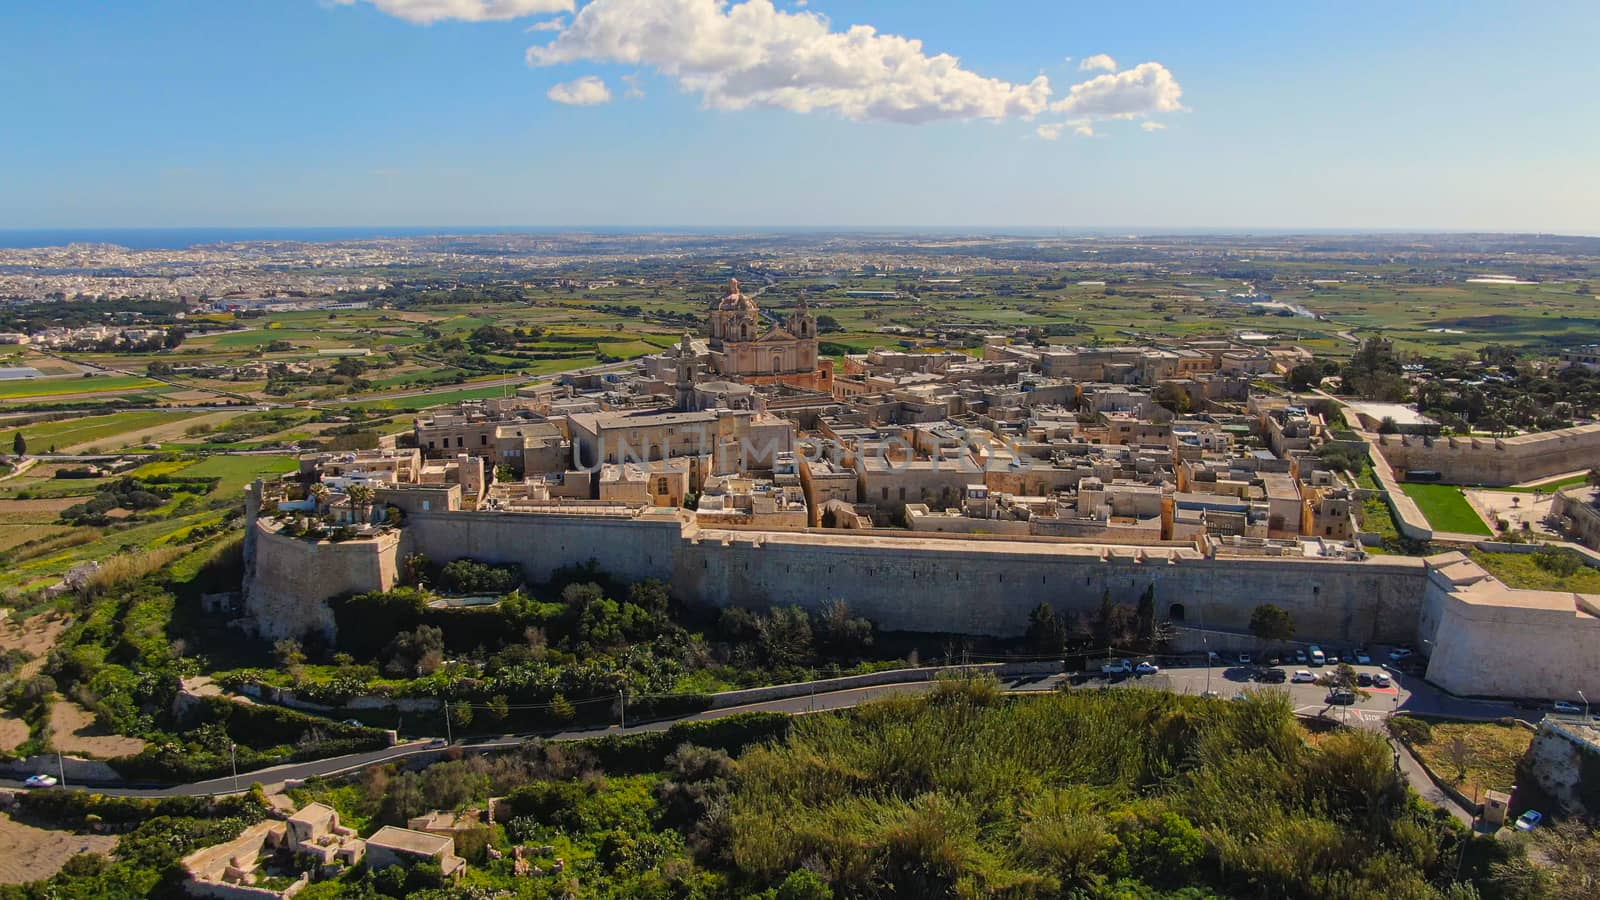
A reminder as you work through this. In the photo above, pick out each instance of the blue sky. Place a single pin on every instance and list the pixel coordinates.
(1460, 115)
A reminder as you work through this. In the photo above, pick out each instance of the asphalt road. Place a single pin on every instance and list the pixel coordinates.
(1410, 694)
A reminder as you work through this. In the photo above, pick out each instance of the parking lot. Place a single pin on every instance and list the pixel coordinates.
(1406, 693)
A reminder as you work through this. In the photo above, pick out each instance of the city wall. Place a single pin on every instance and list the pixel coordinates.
(1494, 461)
(974, 585)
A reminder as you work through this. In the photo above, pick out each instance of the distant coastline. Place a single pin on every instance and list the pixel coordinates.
(183, 237)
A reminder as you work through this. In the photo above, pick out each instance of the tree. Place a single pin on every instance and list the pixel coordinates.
(361, 497)
(504, 473)
(1045, 634)
(19, 444)
(1173, 398)
(1144, 619)
(1593, 477)
(1105, 628)
(290, 654)
(1305, 376)
(461, 713)
(1270, 622)
(1460, 755)
(841, 634)
(784, 636)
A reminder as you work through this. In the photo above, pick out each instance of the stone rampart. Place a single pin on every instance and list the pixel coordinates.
(902, 581)
(1494, 461)
(292, 576)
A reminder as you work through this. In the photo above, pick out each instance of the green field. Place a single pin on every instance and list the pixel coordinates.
(238, 471)
(21, 389)
(71, 432)
(423, 401)
(1446, 508)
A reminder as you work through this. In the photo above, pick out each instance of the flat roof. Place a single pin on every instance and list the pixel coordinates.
(405, 840)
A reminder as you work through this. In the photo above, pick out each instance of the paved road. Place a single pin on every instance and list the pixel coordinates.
(1410, 694)
(277, 775)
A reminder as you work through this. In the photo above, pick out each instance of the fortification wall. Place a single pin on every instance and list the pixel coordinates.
(292, 577)
(1492, 461)
(917, 583)
(1499, 642)
(631, 549)
(990, 587)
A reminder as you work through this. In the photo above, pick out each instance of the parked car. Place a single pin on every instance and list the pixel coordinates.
(1529, 820)
(1318, 658)
(353, 723)
(1562, 706)
(1381, 679)
(1117, 667)
(1363, 658)
(1300, 656)
(1341, 696)
(1212, 695)
(1364, 679)
(1244, 659)
(41, 781)
(1147, 668)
(1274, 676)
(1303, 677)
(1399, 653)
(1241, 696)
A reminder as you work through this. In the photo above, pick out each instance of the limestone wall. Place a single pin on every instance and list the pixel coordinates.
(975, 585)
(990, 587)
(625, 547)
(1494, 461)
(292, 577)
(1493, 641)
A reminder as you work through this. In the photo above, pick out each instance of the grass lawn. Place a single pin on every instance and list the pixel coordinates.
(1522, 570)
(238, 471)
(89, 429)
(1492, 752)
(1446, 508)
(21, 389)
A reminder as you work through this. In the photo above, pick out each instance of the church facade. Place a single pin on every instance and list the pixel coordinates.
(745, 347)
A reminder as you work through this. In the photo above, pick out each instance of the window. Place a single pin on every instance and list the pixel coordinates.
(483, 440)
(885, 493)
(902, 493)
(661, 485)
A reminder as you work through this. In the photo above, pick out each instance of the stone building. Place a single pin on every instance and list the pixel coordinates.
(743, 347)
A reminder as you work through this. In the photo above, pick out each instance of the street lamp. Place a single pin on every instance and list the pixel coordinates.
(233, 759)
(1585, 705)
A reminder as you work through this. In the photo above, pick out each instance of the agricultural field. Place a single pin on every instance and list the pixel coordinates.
(1473, 756)
(27, 389)
(109, 432)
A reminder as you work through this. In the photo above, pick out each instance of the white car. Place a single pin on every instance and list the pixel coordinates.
(1302, 676)
(1363, 658)
(1398, 654)
(1244, 659)
(1381, 679)
(1147, 668)
(41, 781)
(1562, 706)
(1529, 820)
(1117, 667)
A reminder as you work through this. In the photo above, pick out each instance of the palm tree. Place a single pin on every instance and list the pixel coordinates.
(319, 493)
(361, 497)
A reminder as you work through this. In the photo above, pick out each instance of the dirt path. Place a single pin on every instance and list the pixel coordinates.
(73, 730)
(34, 853)
(13, 731)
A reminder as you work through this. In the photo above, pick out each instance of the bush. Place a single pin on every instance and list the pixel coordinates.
(1411, 729)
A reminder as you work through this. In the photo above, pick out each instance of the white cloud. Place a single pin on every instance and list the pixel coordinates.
(1082, 128)
(1049, 132)
(1152, 126)
(634, 91)
(1052, 130)
(547, 25)
(426, 12)
(1144, 89)
(748, 54)
(586, 91)
(1097, 61)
